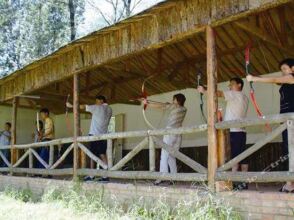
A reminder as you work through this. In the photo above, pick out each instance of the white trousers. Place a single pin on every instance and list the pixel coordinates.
(168, 162)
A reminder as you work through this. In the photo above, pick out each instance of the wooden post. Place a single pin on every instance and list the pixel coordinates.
(109, 153)
(151, 154)
(14, 152)
(51, 155)
(211, 106)
(290, 128)
(77, 126)
(223, 154)
(31, 159)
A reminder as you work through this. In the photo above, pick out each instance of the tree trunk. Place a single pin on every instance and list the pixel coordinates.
(72, 19)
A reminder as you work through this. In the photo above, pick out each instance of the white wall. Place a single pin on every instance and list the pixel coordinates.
(267, 96)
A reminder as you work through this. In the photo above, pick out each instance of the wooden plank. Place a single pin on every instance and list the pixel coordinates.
(191, 177)
(31, 159)
(211, 106)
(152, 156)
(39, 158)
(130, 155)
(223, 154)
(254, 121)
(58, 162)
(21, 159)
(77, 123)
(46, 172)
(252, 29)
(259, 144)
(290, 130)
(92, 156)
(256, 177)
(109, 153)
(51, 155)
(180, 156)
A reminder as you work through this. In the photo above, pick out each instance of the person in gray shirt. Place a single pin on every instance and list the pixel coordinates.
(101, 115)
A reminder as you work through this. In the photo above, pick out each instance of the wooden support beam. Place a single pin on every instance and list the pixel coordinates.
(256, 177)
(130, 155)
(190, 177)
(212, 106)
(254, 30)
(290, 130)
(152, 156)
(180, 156)
(109, 153)
(14, 152)
(77, 123)
(223, 153)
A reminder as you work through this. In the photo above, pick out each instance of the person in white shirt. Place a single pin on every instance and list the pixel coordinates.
(176, 116)
(236, 108)
(5, 138)
(101, 115)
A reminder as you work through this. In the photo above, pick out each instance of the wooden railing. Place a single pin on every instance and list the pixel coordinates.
(151, 138)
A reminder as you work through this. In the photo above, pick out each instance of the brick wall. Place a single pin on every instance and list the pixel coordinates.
(251, 204)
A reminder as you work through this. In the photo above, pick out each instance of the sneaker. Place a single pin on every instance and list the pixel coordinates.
(89, 178)
(103, 180)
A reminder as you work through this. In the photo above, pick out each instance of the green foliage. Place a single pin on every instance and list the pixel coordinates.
(24, 195)
(31, 29)
(203, 207)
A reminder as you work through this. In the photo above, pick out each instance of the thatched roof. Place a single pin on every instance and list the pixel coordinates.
(166, 41)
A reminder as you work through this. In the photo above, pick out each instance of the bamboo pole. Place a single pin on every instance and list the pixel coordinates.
(77, 126)
(211, 106)
(152, 158)
(109, 153)
(14, 152)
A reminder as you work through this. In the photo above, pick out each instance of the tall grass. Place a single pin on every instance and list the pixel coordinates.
(81, 202)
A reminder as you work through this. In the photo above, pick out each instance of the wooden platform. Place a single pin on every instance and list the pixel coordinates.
(262, 203)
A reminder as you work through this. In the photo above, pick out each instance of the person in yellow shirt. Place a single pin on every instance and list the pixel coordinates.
(47, 135)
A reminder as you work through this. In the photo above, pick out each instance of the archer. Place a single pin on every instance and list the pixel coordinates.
(236, 108)
(286, 101)
(101, 115)
(177, 113)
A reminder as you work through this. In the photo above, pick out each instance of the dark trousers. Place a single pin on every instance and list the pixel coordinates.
(44, 154)
(6, 154)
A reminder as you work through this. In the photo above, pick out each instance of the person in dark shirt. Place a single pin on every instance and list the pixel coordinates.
(286, 100)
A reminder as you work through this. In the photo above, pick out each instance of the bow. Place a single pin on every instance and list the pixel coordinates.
(145, 101)
(252, 92)
(199, 76)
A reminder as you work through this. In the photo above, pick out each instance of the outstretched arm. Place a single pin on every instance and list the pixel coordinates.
(288, 79)
(69, 105)
(156, 105)
(202, 90)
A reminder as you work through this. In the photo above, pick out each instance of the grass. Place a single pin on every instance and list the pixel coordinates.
(75, 203)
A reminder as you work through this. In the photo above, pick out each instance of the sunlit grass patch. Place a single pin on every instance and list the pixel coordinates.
(76, 203)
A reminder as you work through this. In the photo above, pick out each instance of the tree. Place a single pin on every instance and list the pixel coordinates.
(120, 9)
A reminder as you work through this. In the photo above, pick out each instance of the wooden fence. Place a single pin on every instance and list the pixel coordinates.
(152, 139)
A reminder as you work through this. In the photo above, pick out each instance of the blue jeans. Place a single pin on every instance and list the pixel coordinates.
(44, 154)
